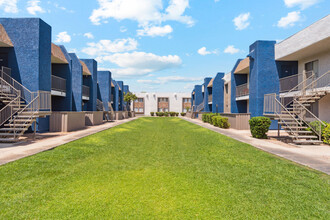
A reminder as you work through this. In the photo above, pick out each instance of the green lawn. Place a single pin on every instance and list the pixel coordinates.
(156, 168)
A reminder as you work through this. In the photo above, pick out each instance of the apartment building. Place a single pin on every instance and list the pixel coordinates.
(45, 88)
(161, 102)
(286, 81)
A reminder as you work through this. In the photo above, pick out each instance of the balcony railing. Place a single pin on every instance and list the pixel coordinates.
(242, 90)
(58, 84)
(288, 83)
(210, 98)
(85, 91)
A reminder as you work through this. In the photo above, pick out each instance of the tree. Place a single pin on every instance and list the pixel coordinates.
(129, 97)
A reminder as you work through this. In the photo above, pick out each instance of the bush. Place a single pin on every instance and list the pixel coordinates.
(207, 117)
(183, 114)
(172, 114)
(326, 134)
(259, 127)
(316, 126)
(166, 114)
(220, 122)
(176, 114)
(160, 114)
(152, 113)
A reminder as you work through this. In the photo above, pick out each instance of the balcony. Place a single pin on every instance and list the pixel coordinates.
(289, 83)
(85, 93)
(242, 90)
(58, 86)
(210, 99)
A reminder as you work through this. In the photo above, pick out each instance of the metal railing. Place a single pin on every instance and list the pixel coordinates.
(99, 105)
(58, 84)
(85, 91)
(242, 90)
(289, 82)
(200, 107)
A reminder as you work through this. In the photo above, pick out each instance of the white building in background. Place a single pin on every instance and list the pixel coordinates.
(161, 102)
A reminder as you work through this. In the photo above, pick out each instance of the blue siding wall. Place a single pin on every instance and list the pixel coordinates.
(116, 97)
(217, 93)
(104, 79)
(206, 94)
(264, 77)
(126, 90)
(64, 71)
(91, 81)
(30, 59)
(235, 80)
(77, 77)
(121, 96)
(198, 95)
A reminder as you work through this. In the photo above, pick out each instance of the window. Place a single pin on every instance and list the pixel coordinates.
(186, 100)
(136, 109)
(312, 67)
(140, 109)
(140, 99)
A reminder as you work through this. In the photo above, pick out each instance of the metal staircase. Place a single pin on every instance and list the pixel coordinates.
(291, 110)
(21, 107)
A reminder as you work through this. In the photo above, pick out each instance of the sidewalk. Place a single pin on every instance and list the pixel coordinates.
(313, 156)
(47, 141)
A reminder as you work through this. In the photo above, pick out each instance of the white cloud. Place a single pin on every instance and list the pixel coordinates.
(9, 6)
(89, 35)
(231, 49)
(242, 21)
(216, 0)
(104, 47)
(303, 4)
(33, 7)
(155, 31)
(167, 79)
(142, 11)
(203, 51)
(141, 63)
(123, 29)
(62, 8)
(63, 37)
(290, 20)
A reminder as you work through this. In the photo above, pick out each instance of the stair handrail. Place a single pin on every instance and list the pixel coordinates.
(319, 133)
(3, 81)
(200, 107)
(279, 115)
(318, 78)
(18, 86)
(3, 110)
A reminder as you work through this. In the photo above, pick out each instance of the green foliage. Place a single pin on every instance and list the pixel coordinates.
(176, 114)
(152, 113)
(160, 168)
(326, 134)
(188, 109)
(129, 97)
(259, 127)
(183, 114)
(207, 117)
(160, 114)
(166, 114)
(172, 114)
(316, 126)
(221, 122)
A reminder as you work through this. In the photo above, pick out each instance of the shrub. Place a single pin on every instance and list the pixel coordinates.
(166, 114)
(160, 114)
(259, 127)
(220, 122)
(176, 114)
(326, 134)
(183, 114)
(316, 126)
(207, 117)
(152, 113)
(172, 114)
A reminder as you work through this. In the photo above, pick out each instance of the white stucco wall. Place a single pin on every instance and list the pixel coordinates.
(150, 101)
(324, 62)
(324, 108)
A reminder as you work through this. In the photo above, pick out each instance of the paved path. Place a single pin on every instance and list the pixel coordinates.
(313, 156)
(47, 141)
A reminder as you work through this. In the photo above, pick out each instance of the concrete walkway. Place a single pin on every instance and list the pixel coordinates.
(47, 141)
(313, 156)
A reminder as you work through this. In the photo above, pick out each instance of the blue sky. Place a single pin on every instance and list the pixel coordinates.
(167, 45)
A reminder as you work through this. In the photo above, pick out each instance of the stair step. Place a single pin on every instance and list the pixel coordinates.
(8, 140)
(307, 142)
(295, 127)
(304, 136)
(14, 129)
(7, 134)
(288, 123)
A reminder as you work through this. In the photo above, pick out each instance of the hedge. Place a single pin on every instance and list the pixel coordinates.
(183, 114)
(326, 134)
(259, 127)
(152, 113)
(216, 120)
